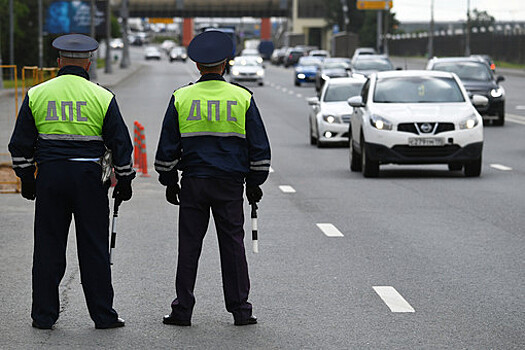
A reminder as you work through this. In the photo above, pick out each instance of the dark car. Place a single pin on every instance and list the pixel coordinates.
(488, 60)
(292, 57)
(335, 67)
(306, 69)
(368, 64)
(478, 79)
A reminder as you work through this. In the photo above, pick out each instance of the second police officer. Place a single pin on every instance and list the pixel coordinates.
(65, 126)
(213, 132)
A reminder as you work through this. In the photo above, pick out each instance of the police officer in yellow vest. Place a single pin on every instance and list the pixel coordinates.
(214, 134)
(65, 126)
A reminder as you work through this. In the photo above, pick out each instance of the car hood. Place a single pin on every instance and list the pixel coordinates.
(305, 69)
(247, 69)
(423, 112)
(475, 85)
(336, 108)
(337, 72)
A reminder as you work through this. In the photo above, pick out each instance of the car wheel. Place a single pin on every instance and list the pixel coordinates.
(473, 168)
(455, 166)
(318, 142)
(369, 167)
(261, 83)
(501, 118)
(313, 140)
(296, 83)
(355, 158)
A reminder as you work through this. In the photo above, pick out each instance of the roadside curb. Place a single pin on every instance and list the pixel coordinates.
(117, 77)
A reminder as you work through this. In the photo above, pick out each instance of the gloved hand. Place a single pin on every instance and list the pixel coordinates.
(172, 194)
(29, 187)
(123, 190)
(254, 194)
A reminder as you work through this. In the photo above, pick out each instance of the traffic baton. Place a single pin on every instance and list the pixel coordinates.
(255, 240)
(116, 204)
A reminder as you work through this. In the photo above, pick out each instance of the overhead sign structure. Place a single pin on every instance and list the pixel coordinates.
(374, 5)
(160, 20)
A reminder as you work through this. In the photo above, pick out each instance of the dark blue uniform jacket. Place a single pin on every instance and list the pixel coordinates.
(26, 147)
(211, 156)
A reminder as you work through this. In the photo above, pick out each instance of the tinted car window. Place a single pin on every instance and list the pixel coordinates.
(342, 92)
(378, 65)
(417, 90)
(466, 70)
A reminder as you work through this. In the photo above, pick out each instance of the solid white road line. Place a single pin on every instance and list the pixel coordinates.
(393, 299)
(330, 230)
(518, 119)
(287, 189)
(521, 108)
(500, 167)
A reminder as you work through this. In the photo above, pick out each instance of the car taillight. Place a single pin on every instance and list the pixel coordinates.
(290, 57)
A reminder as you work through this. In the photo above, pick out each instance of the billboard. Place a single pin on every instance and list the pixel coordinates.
(65, 17)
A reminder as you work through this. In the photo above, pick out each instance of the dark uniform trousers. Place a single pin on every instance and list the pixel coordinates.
(66, 188)
(225, 198)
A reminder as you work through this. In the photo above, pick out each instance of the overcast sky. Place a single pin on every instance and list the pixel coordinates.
(451, 10)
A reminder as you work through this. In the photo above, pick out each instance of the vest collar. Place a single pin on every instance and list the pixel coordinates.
(211, 76)
(74, 70)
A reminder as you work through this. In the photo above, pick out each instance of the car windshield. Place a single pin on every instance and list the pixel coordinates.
(246, 61)
(309, 61)
(335, 64)
(466, 70)
(342, 92)
(376, 65)
(417, 90)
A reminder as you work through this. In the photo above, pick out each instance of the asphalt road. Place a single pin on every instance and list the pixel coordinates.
(452, 248)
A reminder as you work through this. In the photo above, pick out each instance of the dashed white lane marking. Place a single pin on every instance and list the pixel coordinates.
(299, 95)
(521, 108)
(500, 167)
(287, 189)
(291, 92)
(393, 299)
(285, 89)
(330, 230)
(518, 119)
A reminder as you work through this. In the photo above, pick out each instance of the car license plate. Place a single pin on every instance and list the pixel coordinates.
(426, 141)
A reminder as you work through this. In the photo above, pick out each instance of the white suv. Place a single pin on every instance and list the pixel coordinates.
(415, 117)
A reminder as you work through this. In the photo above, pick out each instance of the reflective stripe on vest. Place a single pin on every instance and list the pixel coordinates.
(69, 105)
(212, 108)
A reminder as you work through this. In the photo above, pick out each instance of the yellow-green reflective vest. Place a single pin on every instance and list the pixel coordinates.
(212, 108)
(69, 107)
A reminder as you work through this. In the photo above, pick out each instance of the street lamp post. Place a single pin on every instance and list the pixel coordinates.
(93, 66)
(40, 34)
(467, 33)
(124, 13)
(431, 31)
(108, 69)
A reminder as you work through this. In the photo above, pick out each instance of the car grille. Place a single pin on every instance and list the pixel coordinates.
(247, 74)
(415, 128)
(442, 151)
(346, 118)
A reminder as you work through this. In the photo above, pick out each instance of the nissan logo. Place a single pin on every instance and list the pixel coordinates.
(426, 128)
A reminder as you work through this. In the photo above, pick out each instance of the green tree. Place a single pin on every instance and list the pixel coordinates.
(368, 31)
(25, 34)
(334, 15)
(481, 19)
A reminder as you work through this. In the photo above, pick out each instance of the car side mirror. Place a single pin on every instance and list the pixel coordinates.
(500, 78)
(479, 100)
(356, 101)
(313, 101)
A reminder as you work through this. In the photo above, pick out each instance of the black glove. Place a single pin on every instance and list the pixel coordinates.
(29, 187)
(123, 190)
(172, 194)
(254, 194)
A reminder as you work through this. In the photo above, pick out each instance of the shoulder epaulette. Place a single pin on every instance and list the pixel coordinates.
(244, 87)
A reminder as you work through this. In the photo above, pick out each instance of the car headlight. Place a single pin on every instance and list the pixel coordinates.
(380, 123)
(330, 119)
(497, 92)
(301, 76)
(259, 60)
(469, 123)
(231, 62)
(235, 72)
(260, 73)
(184, 55)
